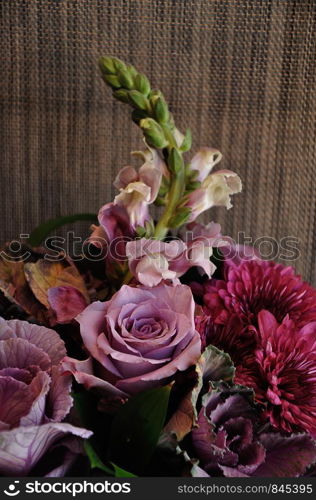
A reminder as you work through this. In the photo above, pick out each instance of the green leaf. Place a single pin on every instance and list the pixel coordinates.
(95, 461)
(43, 230)
(136, 428)
(118, 472)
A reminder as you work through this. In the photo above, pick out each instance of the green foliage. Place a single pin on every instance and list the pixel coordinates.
(136, 428)
(43, 230)
(99, 423)
(96, 463)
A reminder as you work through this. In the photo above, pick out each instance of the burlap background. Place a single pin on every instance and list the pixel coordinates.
(240, 73)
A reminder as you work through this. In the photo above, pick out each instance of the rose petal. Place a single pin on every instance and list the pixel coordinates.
(83, 373)
(186, 358)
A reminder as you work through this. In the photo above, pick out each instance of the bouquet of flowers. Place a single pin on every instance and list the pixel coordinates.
(163, 349)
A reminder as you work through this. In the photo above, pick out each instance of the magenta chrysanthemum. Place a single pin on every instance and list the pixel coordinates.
(278, 361)
(257, 285)
(283, 373)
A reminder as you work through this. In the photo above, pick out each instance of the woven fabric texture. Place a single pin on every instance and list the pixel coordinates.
(239, 73)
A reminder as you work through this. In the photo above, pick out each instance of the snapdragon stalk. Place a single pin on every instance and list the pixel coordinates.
(176, 167)
(151, 114)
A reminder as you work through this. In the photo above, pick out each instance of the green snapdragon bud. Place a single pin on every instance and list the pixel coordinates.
(125, 79)
(140, 231)
(164, 186)
(160, 201)
(142, 84)
(121, 95)
(118, 64)
(161, 110)
(138, 100)
(187, 141)
(192, 186)
(175, 161)
(151, 113)
(107, 65)
(113, 81)
(153, 133)
(150, 228)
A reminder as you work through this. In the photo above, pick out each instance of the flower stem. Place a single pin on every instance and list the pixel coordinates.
(174, 195)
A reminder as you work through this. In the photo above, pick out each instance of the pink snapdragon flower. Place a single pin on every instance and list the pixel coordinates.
(201, 240)
(152, 261)
(216, 188)
(138, 189)
(215, 191)
(204, 161)
(114, 230)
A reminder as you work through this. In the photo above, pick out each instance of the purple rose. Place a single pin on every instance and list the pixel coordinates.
(227, 441)
(34, 399)
(137, 340)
